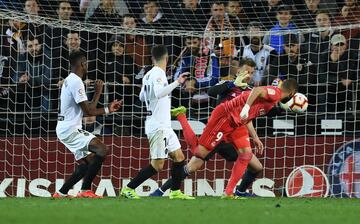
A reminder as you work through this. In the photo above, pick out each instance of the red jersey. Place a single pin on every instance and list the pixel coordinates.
(260, 107)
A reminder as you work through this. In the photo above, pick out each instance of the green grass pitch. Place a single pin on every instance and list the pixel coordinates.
(162, 210)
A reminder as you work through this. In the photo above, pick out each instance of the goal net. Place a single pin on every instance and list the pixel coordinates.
(311, 154)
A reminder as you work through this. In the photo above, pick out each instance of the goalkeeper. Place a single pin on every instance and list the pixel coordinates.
(225, 91)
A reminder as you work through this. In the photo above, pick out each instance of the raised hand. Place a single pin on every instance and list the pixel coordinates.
(99, 85)
(115, 105)
(183, 77)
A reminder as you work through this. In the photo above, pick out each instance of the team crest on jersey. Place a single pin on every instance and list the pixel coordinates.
(262, 112)
(159, 81)
(262, 60)
(344, 171)
(307, 181)
(81, 92)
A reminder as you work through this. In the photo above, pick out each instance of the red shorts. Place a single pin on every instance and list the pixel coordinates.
(239, 138)
(217, 129)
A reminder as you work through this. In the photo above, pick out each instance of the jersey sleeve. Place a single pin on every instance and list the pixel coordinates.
(272, 93)
(161, 88)
(78, 92)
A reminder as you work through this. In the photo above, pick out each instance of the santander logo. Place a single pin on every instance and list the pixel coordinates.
(307, 181)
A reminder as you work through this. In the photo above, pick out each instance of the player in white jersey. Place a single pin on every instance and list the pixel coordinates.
(155, 92)
(257, 51)
(88, 150)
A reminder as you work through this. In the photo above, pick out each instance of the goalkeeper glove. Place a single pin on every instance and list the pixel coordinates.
(242, 79)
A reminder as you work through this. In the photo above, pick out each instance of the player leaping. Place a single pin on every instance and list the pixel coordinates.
(239, 138)
(88, 150)
(163, 140)
(233, 114)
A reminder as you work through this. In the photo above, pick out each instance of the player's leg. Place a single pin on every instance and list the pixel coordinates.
(241, 141)
(254, 168)
(95, 162)
(178, 174)
(189, 134)
(158, 154)
(79, 144)
(76, 176)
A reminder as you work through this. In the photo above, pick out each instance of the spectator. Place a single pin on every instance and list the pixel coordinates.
(190, 15)
(339, 73)
(349, 14)
(204, 70)
(219, 22)
(135, 45)
(236, 15)
(54, 36)
(284, 23)
(153, 17)
(257, 52)
(30, 67)
(29, 76)
(307, 13)
(117, 67)
(89, 6)
(12, 47)
(31, 7)
(318, 43)
(264, 11)
(106, 14)
(224, 46)
(290, 64)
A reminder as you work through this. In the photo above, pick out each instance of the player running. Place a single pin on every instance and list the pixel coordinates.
(226, 90)
(163, 140)
(88, 150)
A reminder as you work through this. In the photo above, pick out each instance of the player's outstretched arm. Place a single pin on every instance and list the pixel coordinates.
(161, 91)
(114, 106)
(255, 93)
(258, 144)
(99, 85)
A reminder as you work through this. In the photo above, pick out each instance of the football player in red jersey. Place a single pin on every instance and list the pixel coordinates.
(237, 112)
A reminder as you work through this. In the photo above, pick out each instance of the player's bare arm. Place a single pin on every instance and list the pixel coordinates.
(255, 93)
(99, 85)
(88, 111)
(258, 144)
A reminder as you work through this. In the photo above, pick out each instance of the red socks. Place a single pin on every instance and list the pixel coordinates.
(188, 133)
(238, 171)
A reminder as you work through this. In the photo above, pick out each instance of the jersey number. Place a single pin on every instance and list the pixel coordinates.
(166, 143)
(147, 93)
(219, 136)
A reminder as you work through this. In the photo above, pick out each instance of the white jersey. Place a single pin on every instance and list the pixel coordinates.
(155, 93)
(260, 58)
(71, 114)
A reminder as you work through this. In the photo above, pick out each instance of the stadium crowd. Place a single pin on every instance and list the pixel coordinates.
(323, 59)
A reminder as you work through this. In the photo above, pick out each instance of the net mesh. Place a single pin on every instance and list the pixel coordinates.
(34, 61)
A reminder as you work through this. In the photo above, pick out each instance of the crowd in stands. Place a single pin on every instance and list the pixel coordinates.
(324, 60)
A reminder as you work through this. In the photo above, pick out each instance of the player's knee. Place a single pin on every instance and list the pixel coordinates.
(158, 165)
(178, 157)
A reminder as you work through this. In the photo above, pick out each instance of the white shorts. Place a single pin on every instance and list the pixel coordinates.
(163, 142)
(78, 143)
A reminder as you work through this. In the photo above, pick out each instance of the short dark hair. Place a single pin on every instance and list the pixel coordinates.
(217, 3)
(323, 12)
(247, 61)
(158, 52)
(290, 84)
(63, 1)
(151, 1)
(75, 57)
(128, 16)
